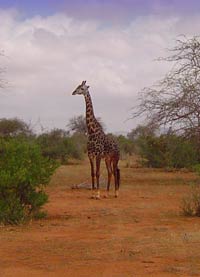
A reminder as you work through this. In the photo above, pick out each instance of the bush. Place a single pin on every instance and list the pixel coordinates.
(191, 203)
(52, 145)
(126, 146)
(180, 152)
(76, 146)
(59, 146)
(23, 174)
(14, 127)
(167, 151)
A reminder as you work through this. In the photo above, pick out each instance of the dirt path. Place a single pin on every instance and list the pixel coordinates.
(139, 234)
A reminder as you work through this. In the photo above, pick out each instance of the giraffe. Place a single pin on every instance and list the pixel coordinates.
(99, 146)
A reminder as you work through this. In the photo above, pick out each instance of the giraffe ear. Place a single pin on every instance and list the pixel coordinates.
(88, 86)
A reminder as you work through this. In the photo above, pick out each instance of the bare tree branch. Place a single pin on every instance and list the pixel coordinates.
(175, 100)
(78, 124)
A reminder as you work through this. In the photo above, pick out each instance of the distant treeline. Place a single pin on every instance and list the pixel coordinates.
(58, 144)
(156, 150)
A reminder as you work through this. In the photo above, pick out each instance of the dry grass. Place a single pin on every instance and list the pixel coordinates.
(139, 234)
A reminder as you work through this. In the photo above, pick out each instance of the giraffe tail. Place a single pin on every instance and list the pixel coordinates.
(118, 177)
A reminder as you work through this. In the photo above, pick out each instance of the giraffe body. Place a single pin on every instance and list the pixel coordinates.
(99, 146)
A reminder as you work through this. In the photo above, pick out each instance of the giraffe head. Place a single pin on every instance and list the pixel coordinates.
(81, 89)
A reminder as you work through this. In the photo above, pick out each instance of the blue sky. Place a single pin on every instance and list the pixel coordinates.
(30, 8)
(51, 46)
(109, 9)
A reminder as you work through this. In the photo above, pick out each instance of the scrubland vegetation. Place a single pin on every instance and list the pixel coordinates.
(28, 161)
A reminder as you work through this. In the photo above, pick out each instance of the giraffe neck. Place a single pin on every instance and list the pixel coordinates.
(93, 125)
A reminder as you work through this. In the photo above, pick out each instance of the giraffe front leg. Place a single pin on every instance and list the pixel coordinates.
(98, 163)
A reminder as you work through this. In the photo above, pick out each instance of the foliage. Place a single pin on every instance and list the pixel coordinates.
(78, 124)
(174, 100)
(167, 151)
(58, 145)
(23, 174)
(142, 131)
(78, 145)
(14, 127)
(52, 144)
(190, 205)
(126, 146)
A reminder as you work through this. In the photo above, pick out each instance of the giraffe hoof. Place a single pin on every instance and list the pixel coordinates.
(98, 195)
(116, 193)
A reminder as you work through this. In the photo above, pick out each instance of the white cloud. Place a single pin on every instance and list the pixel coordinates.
(47, 57)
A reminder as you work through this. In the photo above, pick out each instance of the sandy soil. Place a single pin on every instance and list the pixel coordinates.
(139, 234)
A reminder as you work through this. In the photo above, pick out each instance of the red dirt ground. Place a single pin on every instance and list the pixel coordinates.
(139, 234)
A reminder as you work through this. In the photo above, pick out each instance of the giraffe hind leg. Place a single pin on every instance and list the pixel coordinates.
(116, 172)
(109, 170)
(98, 163)
(93, 177)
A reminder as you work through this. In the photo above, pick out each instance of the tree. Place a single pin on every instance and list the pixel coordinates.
(175, 100)
(142, 131)
(126, 145)
(167, 150)
(78, 124)
(14, 127)
(52, 144)
(57, 144)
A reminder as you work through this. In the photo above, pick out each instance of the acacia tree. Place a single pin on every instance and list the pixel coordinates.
(142, 131)
(14, 127)
(78, 124)
(175, 100)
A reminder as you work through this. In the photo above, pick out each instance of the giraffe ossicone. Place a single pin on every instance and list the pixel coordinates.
(99, 146)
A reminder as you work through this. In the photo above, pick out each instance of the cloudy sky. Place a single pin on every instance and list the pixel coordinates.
(51, 46)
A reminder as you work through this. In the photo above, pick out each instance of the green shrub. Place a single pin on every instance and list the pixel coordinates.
(151, 150)
(23, 174)
(126, 146)
(180, 152)
(75, 146)
(14, 127)
(169, 151)
(58, 145)
(52, 145)
(11, 210)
